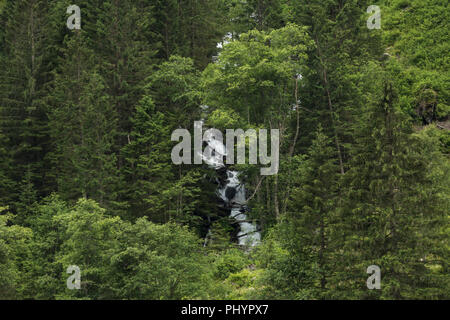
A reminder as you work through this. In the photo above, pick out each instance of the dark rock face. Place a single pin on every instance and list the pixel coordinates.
(230, 192)
(426, 106)
(222, 176)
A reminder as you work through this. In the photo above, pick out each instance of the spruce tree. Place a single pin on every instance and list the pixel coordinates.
(148, 167)
(126, 43)
(305, 232)
(190, 28)
(83, 126)
(24, 54)
(390, 216)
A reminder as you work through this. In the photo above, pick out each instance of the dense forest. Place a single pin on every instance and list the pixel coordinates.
(87, 180)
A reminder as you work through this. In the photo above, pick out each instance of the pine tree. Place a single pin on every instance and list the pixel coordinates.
(6, 183)
(390, 215)
(262, 15)
(190, 28)
(126, 45)
(148, 165)
(343, 45)
(175, 89)
(305, 231)
(24, 54)
(155, 187)
(83, 126)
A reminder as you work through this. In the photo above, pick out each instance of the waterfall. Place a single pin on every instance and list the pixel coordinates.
(232, 192)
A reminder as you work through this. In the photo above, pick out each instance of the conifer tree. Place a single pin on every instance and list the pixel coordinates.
(6, 183)
(148, 168)
(343, 44)
(305, 232)
(126, 44)
(190, 28)
(390, 216)
(83, 128)
(166, 191)
(25, 73)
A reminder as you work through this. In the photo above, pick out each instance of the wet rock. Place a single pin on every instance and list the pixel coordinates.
(230, 192)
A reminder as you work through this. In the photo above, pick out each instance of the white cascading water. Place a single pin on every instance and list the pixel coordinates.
(248, 234)
(233, 194)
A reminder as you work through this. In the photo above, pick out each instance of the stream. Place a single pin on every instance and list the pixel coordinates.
(232, 193)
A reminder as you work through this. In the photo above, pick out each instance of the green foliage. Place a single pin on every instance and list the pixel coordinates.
(189, 28)
(253, 14)
(83, 128)
(174, 88)
(24, 51)
(86, 176)
(421, 53)
(159, 262)
(231, 261)
(14, 257)
(6, 183)
(148, 167)
(304, 233)
(222, 119)
(395, 213)
(117, 259)
(256, 73)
